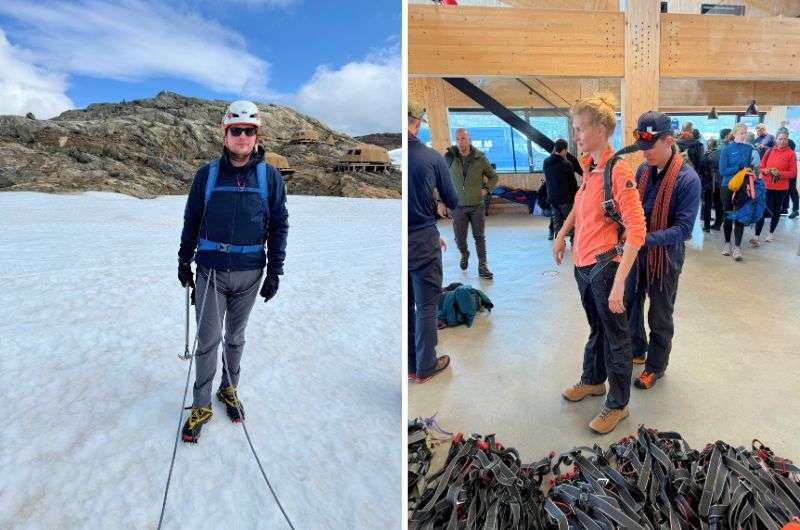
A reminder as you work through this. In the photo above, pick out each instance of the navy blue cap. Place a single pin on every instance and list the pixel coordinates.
(651, 121)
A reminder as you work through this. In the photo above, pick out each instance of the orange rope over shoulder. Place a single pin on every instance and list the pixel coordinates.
(657, 256)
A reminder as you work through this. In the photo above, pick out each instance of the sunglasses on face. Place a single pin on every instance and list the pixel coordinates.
(237, 131)
(647, 136)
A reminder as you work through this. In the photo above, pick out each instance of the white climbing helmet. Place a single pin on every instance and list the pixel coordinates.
(241, 112)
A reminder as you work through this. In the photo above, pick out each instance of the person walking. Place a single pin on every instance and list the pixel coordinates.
(473, 178)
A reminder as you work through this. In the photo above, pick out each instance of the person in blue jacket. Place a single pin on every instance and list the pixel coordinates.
(428, 174)
(670, 191)
(236, 206)
(735, 156)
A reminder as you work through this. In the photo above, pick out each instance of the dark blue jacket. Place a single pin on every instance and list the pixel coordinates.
(427, 171)
(683, 207)
(233, 218)
(734, 157)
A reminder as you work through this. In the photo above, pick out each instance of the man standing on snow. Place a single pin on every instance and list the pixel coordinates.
(237, 204)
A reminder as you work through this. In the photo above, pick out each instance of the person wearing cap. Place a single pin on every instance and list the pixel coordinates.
(428, 175)
(602, 261)
(237, 204)
(670, 192)
(473, 179)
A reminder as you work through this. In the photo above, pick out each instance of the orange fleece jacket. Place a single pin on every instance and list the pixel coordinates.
(594, 232)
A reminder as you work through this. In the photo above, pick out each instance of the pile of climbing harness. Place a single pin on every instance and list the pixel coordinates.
(650, 480)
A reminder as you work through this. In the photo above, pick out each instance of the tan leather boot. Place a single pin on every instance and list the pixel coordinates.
(579, 391)
(608, 418)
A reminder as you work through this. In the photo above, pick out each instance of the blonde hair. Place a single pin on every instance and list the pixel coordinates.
(600, 109)
(739, 126)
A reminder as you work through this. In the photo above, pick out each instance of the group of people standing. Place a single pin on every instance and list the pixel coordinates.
(628, 233)
(773, 158)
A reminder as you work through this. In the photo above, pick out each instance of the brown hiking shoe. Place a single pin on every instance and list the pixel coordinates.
(608, 418)
(579, 391)
(441, 363)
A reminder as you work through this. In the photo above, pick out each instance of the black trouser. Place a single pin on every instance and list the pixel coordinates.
(711, 199)
(775, 200)
(424, 288)
(608, 351)
(659, 315)
(793, 196)
(728, 204)
(558, 214)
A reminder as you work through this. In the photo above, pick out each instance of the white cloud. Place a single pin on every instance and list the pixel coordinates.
(360, 97)
(24, 88)
(135, 39)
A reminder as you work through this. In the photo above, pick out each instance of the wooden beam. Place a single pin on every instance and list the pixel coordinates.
(719, 47)
(585, 5)
(452, 41)
(640, 86)
(431, 92)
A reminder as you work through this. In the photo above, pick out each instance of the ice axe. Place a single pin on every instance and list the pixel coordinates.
(186, 355)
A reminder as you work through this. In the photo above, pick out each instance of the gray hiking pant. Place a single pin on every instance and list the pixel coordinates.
(463, 217)
(232, 301)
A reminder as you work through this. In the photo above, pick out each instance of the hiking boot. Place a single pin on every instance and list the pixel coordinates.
(233, 406)
(441, 363)
(580, 390)
(607, 419)
(770, 238)
(754, 242)
(737, 254)
(193, 425)
(639, 359)
(647, 380)
(726, 249)
(794, 214)
(464, 261)
(485, 273)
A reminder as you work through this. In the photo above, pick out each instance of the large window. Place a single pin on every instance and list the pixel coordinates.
(708, 128)
(793, 117)
(506, 148)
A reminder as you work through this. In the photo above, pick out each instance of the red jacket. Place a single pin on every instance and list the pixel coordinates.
(784, 160)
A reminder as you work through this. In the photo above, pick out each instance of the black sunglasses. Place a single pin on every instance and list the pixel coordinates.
(237, 131)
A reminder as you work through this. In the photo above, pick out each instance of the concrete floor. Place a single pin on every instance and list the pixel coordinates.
(733, 372)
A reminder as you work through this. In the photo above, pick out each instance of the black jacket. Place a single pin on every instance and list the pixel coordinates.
(694, 149)
(710, 174)
(559, 176)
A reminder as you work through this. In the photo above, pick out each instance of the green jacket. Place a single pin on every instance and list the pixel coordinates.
(470, 175)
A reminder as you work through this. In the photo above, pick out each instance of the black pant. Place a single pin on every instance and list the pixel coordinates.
(711, 199)
(775, 200)
(608, 351)
(793, 196)
(659, 315)
(729, 204)
(558, 214)
(424, 288)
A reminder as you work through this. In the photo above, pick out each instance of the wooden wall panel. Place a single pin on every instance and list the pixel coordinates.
(462, 41)
(432, 93)
(726, 47)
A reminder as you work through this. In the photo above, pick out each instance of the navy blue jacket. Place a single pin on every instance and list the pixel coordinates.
(683, 208)
(228, 221)
(427, 171)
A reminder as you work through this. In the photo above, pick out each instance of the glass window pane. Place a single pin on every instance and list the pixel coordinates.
(488, 133)
(554, 127)
(424, 134)
(793, 117)
(708, 128)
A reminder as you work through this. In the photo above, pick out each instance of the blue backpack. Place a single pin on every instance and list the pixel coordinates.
(753, 209)
(211, 187)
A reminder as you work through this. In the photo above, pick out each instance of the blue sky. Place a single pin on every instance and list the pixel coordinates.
(338, 61)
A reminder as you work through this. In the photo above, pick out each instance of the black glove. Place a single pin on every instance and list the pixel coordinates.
(270, 287)
(185, 275)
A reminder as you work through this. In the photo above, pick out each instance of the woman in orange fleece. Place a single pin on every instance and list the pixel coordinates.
(602, 262)
(778, 167)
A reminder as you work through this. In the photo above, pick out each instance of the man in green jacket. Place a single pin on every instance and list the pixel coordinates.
(473, 177)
